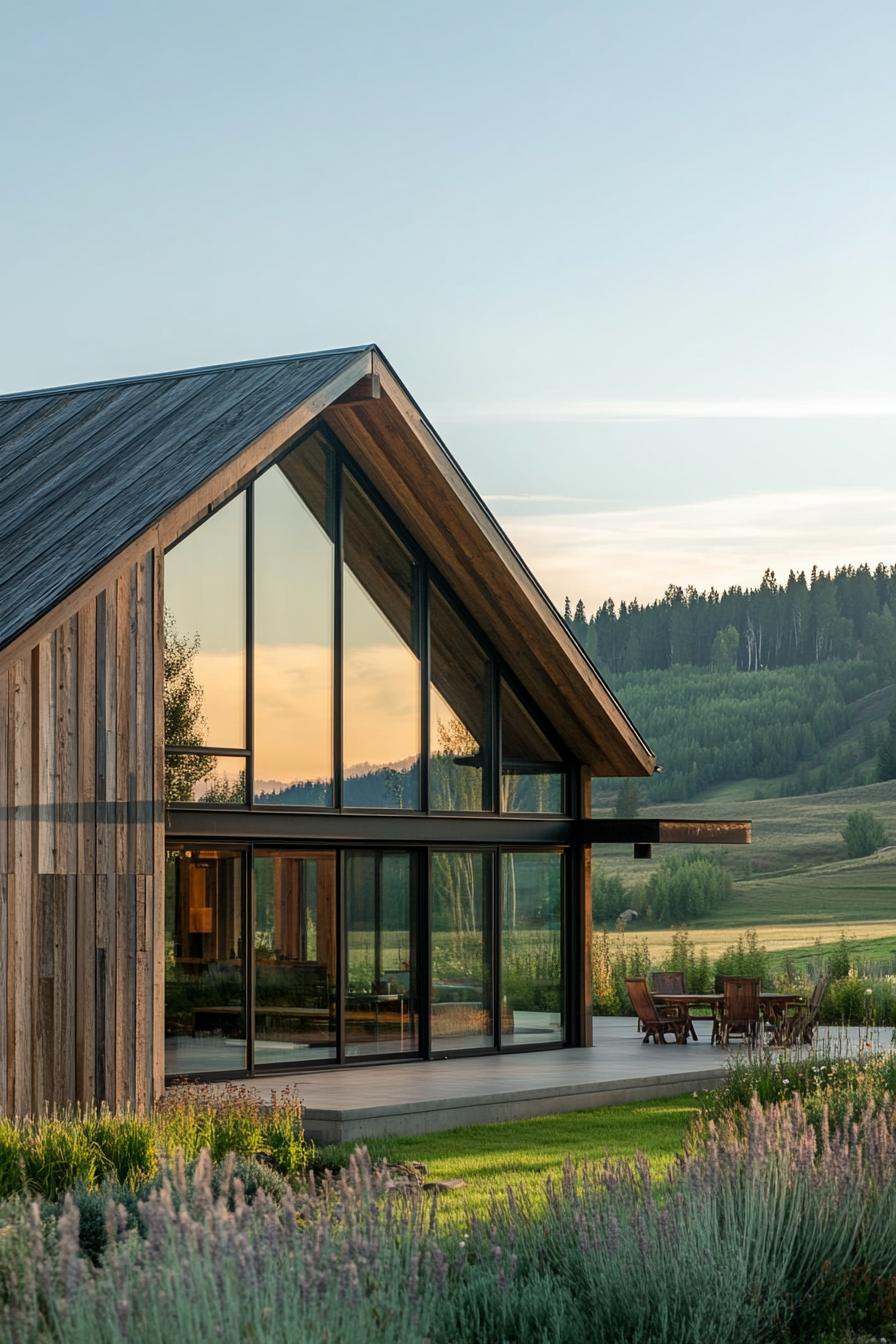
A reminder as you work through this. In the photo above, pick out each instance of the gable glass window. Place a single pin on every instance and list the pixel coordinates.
(309, 655)
(381, 660)
(293, 623)
(533, 778)
(459, 713)
(205, 659)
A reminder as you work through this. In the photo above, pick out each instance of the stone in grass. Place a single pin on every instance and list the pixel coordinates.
(405, 1173)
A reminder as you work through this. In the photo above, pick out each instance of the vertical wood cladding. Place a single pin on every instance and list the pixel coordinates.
(82, 856)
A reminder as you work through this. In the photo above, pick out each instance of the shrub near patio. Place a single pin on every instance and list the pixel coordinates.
(62, 1150)
(765, 1232)
(855, 995)
(830, 1088)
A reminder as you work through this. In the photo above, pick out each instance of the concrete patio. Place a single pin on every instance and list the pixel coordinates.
(421, 1097)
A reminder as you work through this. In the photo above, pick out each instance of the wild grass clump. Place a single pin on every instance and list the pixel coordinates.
(771, 1231)
(831, 1088)
(87, 1148)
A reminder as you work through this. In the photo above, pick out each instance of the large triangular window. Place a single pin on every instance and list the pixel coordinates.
(314, 660)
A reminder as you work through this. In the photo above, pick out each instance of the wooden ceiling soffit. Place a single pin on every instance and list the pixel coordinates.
(388, 437)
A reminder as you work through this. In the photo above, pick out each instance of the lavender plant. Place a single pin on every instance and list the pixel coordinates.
(772, 1231)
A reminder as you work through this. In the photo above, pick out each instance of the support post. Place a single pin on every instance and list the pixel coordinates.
(580, 960)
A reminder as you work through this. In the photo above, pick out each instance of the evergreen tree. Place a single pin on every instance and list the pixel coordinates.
(628, 800)
(886, 756)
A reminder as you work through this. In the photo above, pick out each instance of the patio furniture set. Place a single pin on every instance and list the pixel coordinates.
(740, 1009)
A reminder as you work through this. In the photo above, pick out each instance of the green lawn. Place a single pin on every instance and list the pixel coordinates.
(489, 1158)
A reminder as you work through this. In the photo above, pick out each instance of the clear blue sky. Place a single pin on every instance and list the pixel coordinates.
(638, 260)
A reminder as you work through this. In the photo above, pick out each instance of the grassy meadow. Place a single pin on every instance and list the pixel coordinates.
(794, 884)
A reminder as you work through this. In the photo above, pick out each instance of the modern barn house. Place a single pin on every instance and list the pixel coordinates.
(295, 754)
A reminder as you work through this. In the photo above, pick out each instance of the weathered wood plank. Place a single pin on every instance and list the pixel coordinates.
(157, 1043)
(45, 780)
(6, 981)
(143, 1077)
(85, 987)
(5, 773)
(123, 595)
(21, 900)
(66, 753)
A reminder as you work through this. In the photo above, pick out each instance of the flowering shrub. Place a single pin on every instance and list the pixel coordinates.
(770, 1231)
(829, 1087)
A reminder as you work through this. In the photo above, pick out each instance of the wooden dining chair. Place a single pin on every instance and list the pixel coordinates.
(801, 1023)
(655, 1021)
(672, 982)
(739, 1014)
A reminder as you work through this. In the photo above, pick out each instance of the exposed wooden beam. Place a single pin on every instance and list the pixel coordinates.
(365, 389)
(686, 832)
(658, 831)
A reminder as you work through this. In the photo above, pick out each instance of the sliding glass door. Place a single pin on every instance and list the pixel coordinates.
(462, 1011)
(381, 916)
(325, 950)
(205, 1026)
(532, 889)
(295, 957)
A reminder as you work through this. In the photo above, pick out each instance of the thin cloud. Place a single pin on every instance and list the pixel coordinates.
(628, 553)
(543, 499)
(752, 408)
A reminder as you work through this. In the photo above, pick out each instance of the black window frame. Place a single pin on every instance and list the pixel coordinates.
(426, 574)
(421, 858)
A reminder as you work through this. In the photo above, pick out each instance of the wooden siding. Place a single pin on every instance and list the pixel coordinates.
(82, 855)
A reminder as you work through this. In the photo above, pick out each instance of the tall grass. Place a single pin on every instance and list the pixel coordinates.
(49, 1154)
(770, 1231)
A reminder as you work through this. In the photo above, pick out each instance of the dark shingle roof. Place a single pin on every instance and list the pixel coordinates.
(84, 470)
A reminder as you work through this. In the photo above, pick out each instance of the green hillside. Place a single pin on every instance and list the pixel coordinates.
(790, 730)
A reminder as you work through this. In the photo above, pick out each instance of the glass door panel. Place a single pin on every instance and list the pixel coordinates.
(205, 1028)
(381, 954)
(531, 947)
(295, 957)
(462, 945)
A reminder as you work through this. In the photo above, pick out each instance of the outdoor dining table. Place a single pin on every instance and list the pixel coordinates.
(773, 1003)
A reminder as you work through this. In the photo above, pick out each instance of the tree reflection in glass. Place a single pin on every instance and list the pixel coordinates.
(459, 702)
(531, 947)
(461, 950)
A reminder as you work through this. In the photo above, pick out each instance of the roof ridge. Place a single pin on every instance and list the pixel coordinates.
(184, 373)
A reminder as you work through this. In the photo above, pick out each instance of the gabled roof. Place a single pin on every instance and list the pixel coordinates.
(86, 471)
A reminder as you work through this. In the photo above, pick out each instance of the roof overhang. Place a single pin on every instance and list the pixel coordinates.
(388, 435)
(371, 411)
